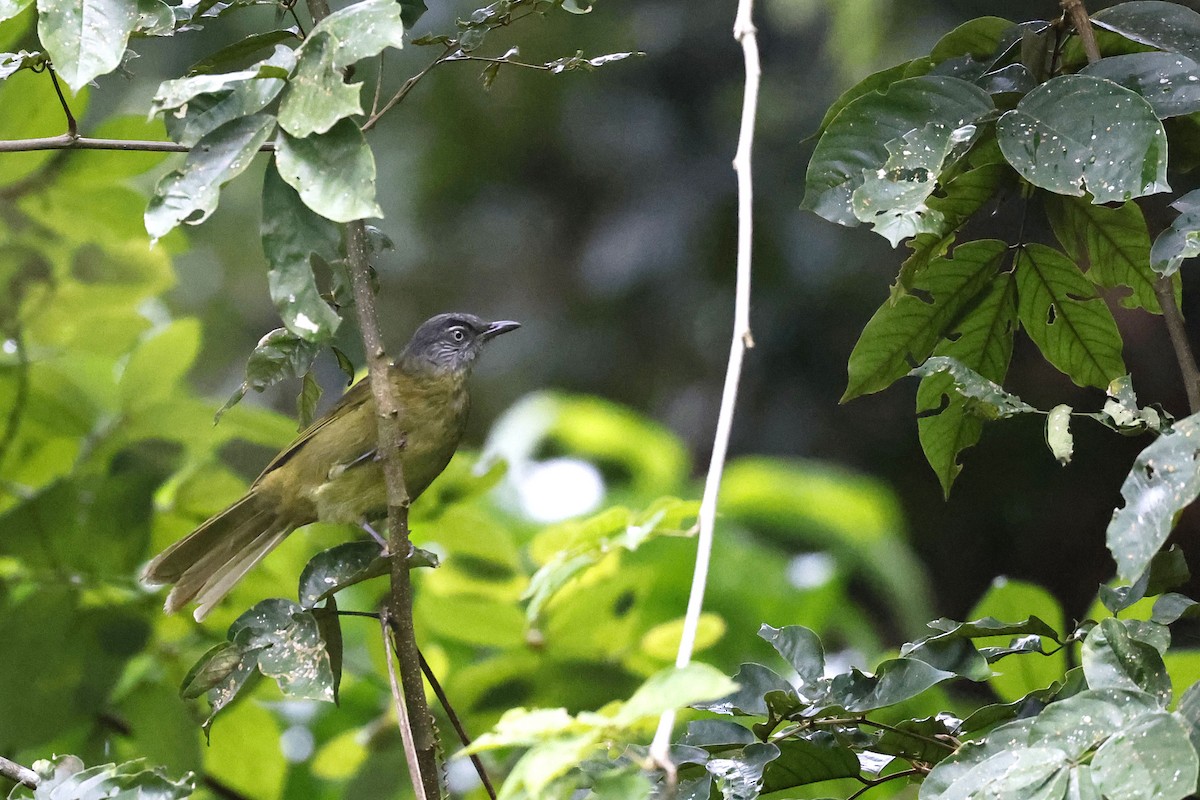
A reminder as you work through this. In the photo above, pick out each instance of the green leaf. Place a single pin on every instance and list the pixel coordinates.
(1079, 723)
(289, 646)
(893, 198)
(976, 765)
(917, 740)
(11, 8)
(741, 777)
(903, 334)
(1060, 311)
(981, 341)
(1110, 245)
(980, 37)
(671, 689)
(1058, 433)
(1151, 759)
(855, 144)
(983, 398)
(1165, 26)
(874, 82)
(1188, 711)
(1114, 659)
(317, 97)
(362, 30)
(1077, 133)
(189, 195)
(207, 102)
(334, 172)
(243, 48)
(894, 681)
(754, 682)
(1167, 81)
(66, 776)
(329, 628)
(155, 18)
(1180, 241)
(719, 733)
(158, 365)
(1163, 480)
(332, 570)
(307, 400)
(41, 116)
(1018, 677)
(278, 356)
(213, 669)
(291, 235)
(801, 648)
(85, 38)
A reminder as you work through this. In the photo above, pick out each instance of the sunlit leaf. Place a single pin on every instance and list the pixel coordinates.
(11, 8)
(1167, 80)
(671, 689)
(317, 97)
(1114, 659)
(66, 776)
(290, 648)
(1171, 27)
(1152, 759)
(1077, 133)
(85, 38)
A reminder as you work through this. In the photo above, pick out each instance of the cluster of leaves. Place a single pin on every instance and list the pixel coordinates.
(1000, 110)
(66, 776)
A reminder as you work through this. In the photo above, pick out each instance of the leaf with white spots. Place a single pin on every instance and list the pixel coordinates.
(1078, 133)
(85, 38)
(334, 172)
(1169, 81)
(1163, 481)
(289, 648)
(1172, 27)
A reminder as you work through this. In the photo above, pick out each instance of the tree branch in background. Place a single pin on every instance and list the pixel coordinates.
(19, 774)
(70, 141)
(1179, 341)
(744, 32)
(1078, 15)
(22, 395)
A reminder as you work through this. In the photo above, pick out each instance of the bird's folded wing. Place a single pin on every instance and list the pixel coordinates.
(358, 394)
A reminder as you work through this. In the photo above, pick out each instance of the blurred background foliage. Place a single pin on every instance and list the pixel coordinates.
(598, 210)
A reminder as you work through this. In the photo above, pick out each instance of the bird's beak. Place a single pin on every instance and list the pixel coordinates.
(496, 328)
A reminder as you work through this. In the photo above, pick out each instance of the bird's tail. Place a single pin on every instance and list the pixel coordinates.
(207, 563)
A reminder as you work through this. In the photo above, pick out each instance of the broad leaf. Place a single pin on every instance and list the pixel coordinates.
(85, 38)
(1077, 133)
(330, 571)
(11, 8)
(1114, 659)
(289, 648)
(362, 30)
(801, 648)
(278, 356)
(291, 235)
(874, 82)
(811, 759)
(67, 777)
(1164, 480)
(317, 96)
(894, 681)
(1172, 27)
(979, 37)
(671, 689)
(1182, 240)
(189, 195)
(983, 398)
(754, 682)
(1060, 311)
(243, 48)
(741, 777)
(334, 172)
(903, 334)
(1166, 80)
(981, 341)
(1152, 759)
(1110, 244)
(855, 144)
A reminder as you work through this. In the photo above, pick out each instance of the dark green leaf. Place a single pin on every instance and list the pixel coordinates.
(291, 235)
(1165, 26)
(1164, 480)
(717, 733)
(334, 172)
(980, 38)
(990, 626)
(290, 648)
(741, 777)
(189, 195)
(983, 398)
(278, 356)
(1112, 658)
(800, 647)
(1060, 311)
(1188, 711)
(855, 144)
(1180, 241)
(1076, 133)
(1167, 81)
(306, 401)
(345, 565)
(928, 740)
(209, 102)
(1007, 600)
(902, 335)
(213, 668)
(1172, 606)
(344, 364)
(811, 759)
(85, 38)
(754, 681)
(872, 83)
(894, 681)
(982, 341)
(317, 97)
(242, 49)
(1110, 244)
(329, 626)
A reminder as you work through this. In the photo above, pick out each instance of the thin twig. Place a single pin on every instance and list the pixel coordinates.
(72, 125)
(402, 92)
(19, 774)
(22, 396)
(370, 614)
(871, 784)
(69, 141)
(745, 33)
(1075, 10)
(1165, 292)
(378, 86)
(458, 728)
(220, 788)
(403, 720)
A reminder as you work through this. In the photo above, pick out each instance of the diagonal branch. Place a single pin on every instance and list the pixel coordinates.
(18, 773)
(744, 32)
(1083, 26)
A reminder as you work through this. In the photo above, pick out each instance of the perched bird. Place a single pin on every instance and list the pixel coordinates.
(331, 472)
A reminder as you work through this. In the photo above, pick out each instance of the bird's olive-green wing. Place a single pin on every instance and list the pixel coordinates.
(358, 394)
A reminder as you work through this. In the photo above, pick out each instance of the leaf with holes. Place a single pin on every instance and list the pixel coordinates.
(855, 143)
(1163, 481)
(1077, 133)
(1111, 245)
(984, 398)
(1060, 311)
(902, 334)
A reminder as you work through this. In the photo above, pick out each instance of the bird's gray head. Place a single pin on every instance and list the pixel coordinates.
(451, 342)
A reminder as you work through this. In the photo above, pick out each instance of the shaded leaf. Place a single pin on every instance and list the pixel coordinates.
(346, 564)
(306, 401)
(317, 96)
(329, 628)
(875, 82)
(1151, 759)
(716, 733)
(1182, 240)
(754, 682)
(894, 681)
(1076, 133)
(278, 356)
(243, 48)
(1163, 480)
(67, 777)
(1166, 80)
(334, 172)
(1112, 658)
(800, 647)
(903, 334)
(213, 669)
(1059, 310)
(85, 38)
(980, 37)
(290, 649)
(855, 143)
(189, 195)
(741, 778)
(1166, 26)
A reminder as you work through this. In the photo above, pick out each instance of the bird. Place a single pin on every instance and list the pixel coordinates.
(332, 471)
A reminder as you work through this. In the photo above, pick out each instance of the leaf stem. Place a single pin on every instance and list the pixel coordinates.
(868, 785)
(72, 125)
(746, 35)
(402, 92)
(1165, 292)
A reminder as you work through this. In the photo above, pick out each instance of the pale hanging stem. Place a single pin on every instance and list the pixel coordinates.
(744, 33)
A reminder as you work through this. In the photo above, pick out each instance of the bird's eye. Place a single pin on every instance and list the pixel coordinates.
(458, 334)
